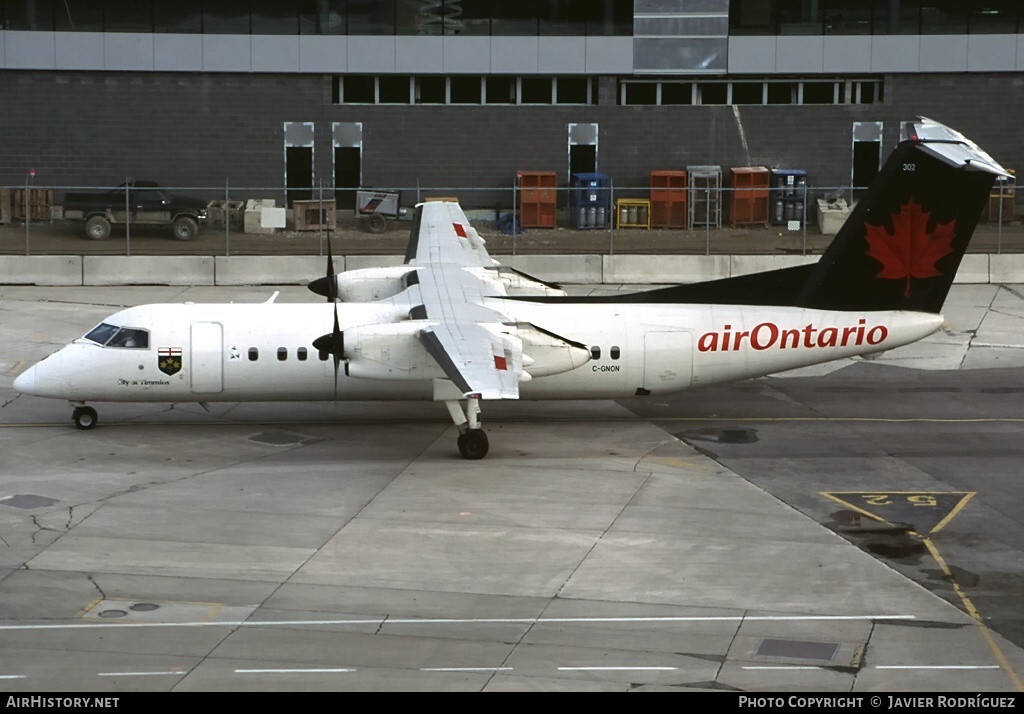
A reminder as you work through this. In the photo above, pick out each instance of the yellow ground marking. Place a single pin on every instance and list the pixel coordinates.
(965, 496)
(17, 369)
(934, 551)
(85, 610)
(975, 615)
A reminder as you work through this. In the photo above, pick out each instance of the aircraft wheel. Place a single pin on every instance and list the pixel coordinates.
(473, 444)
(85, 417)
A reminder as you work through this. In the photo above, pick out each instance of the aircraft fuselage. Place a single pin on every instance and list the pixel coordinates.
(264, 352)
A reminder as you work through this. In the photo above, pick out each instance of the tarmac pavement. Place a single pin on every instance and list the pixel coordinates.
(601, 546)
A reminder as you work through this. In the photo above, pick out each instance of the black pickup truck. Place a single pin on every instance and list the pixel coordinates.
(138, 203)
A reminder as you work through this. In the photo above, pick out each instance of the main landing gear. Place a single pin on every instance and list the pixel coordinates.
(85, 417)
(472, 439)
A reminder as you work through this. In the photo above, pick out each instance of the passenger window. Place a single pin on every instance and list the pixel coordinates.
(595, 352)
(614, 352)
(301, 354)
(254, 354)
(323, 355)
(282, 354)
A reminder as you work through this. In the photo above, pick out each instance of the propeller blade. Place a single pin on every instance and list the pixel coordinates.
(333, 343)
(327, 286)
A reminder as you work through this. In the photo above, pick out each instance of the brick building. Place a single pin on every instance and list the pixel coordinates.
(466, 93)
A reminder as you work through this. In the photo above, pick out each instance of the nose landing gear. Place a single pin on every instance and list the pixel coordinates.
(84, 417)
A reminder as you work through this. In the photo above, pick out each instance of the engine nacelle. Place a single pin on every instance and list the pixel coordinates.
(389, 351)
(513, 282)
(519, 284)
(372, 284)
(545, 353)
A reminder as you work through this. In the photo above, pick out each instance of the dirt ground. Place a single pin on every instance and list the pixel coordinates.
(353, 238)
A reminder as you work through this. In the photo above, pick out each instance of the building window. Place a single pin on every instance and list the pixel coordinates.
(227, 17)
(712, 92)
(782, 93)
(500, 90)
(676, 93)
(573, 90)
(432, 90)
(70, 17)
(748, 93)
(819, 93)
(535, 90)
(127, 15)
(464, 90)
(639, 93)
(393, 89)
(184, 16)
(323, 17)
(358, 89)
(877, 17)
(371, 17)
(273, 17)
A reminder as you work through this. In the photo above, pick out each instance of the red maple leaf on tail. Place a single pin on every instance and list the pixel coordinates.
(910, 251)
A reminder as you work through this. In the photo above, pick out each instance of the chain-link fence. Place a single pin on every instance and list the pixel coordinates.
(692, 214)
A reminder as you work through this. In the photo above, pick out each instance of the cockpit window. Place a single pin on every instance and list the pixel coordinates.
(114, 336)
(129, 337)
(102, 333)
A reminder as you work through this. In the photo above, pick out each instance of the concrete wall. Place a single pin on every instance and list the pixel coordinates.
(299, 270)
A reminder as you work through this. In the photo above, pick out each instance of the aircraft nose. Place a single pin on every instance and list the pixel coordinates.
(25, 383)
(45, 379)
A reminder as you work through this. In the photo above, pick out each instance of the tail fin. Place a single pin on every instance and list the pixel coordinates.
(902, 244)
(900, 247)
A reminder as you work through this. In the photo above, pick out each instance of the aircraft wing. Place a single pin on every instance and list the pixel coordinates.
(469, 341)
(478, 361)
(441, 235)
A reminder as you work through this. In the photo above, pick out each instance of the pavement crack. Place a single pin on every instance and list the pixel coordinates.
(40, 528)
(97, 586)
(1013, 291)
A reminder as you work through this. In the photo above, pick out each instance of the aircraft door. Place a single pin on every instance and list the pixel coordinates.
(207, 357)
(668, 361)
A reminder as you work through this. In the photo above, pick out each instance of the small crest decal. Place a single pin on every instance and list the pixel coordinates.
(169, 360)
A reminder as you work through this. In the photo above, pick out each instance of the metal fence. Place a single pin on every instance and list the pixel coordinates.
(524, 217)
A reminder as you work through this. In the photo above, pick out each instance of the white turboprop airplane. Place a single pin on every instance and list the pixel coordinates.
(451, 325)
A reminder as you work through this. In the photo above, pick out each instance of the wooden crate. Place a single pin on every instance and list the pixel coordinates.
(314, 215)
(40, 204)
